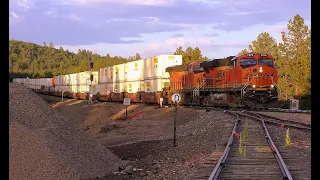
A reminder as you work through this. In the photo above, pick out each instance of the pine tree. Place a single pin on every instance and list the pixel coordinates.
(296, 53)
(264, 44)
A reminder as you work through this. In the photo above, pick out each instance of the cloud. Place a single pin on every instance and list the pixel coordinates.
(75, 30)
(171, 44)
(210, 34)
(112, 22)
(127, 2)
(244, 12)
(14, 15)
(23, 5)
(70, 16)
(26, 4)
(177, 35)
(278, 28)
(231, 44)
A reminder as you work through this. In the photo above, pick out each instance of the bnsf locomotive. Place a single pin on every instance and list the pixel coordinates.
(246, 80)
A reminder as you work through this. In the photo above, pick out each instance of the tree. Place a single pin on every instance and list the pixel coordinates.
(135, 57)
(264, 44)
(34, 61)
(244, 51)
(179, 51)
(295, 61)
(190, 54)
(51, 45)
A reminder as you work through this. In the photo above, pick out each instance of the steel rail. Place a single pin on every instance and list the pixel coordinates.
(284, 169)
(281, 119)
(197, 106)
(293, 124)
(217, 169)
(274, 122)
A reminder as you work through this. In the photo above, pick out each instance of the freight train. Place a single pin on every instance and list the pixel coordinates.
(246, 80)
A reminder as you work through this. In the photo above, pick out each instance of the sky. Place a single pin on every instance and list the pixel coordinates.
(152, 27)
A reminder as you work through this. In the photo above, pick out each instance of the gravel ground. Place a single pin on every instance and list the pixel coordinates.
(146, 142)
(197, 140)
(44, 145)
(298, 156)
(301, 117)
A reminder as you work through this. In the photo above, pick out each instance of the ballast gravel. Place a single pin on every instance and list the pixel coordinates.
(45, 145)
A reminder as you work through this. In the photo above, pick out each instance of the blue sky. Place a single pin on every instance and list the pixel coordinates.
(152, 27)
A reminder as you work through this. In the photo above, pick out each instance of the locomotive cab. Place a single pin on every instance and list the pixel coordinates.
(259, 78)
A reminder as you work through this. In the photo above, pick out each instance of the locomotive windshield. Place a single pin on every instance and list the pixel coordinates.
(197, 69)
(245, 63)
(267, 62)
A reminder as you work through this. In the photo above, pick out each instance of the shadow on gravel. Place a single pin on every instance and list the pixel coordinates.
(141, 149)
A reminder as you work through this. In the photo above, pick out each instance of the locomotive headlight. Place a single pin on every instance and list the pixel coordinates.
(254, 86)
(271, 85)
(260, 69)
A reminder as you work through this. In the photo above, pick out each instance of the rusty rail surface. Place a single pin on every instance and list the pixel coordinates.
(287, 122)
(215, 173)
(280, 121)
(284, 169)
(279, 160)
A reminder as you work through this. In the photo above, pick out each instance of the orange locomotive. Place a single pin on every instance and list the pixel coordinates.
(244, 80)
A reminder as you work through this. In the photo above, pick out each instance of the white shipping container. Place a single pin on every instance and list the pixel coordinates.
(73, 88)
(165, 61)
(83, 88)
(36, 84)
(118, 73)
(155, 67)
(68, 79)
(155, 85)
(106, 75)
(148, 67)
(61, 80)
(48, 82)
(135, 86)
(33, 84)
(172, 60)
(135, 70)
(119, 87)
(106, 88)
(84, 77)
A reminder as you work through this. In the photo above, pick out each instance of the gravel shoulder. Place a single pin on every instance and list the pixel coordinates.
(297, 155)
(146, 141)
(43, 144)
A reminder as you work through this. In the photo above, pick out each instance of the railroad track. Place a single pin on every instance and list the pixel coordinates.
(259, 158)
(258, 109)
(280, 121)
(224, 108)
(268, 119)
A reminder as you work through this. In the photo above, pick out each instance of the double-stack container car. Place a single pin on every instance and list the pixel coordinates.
(243, 80)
